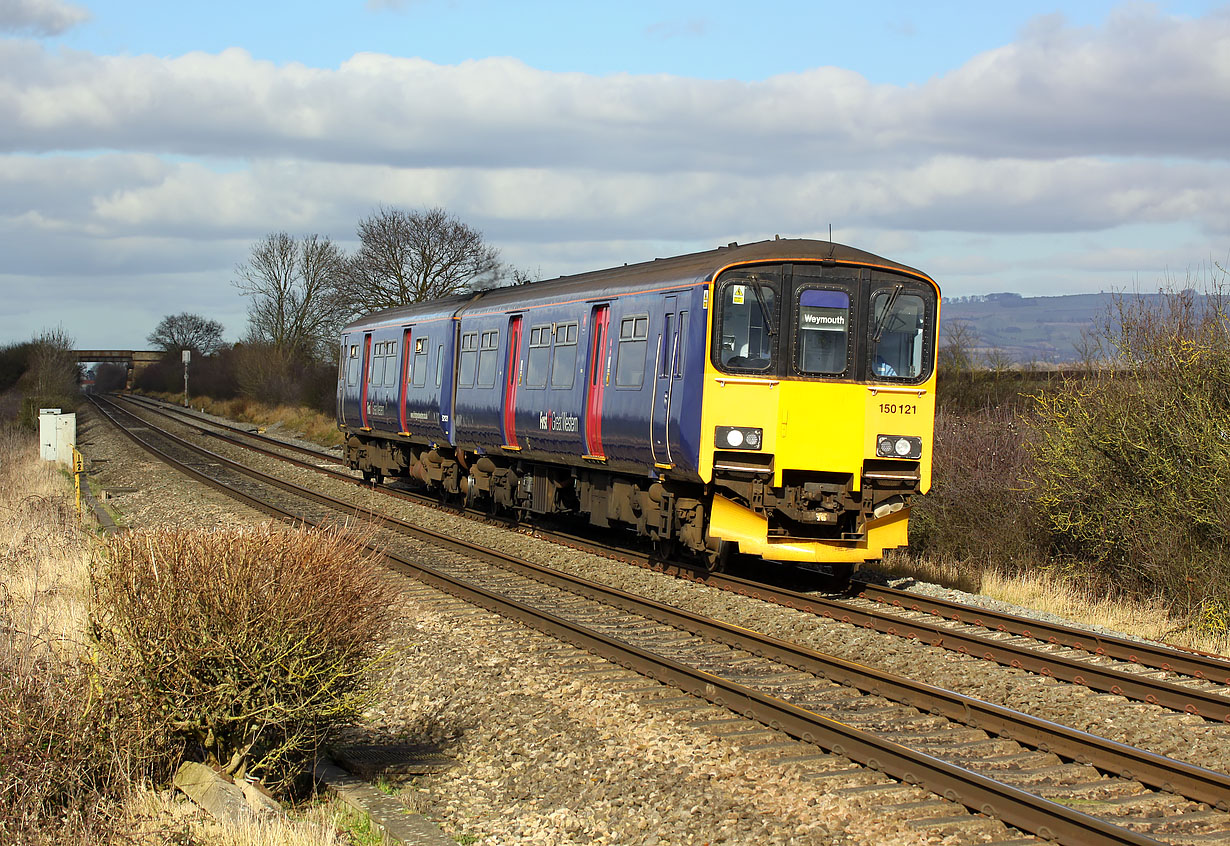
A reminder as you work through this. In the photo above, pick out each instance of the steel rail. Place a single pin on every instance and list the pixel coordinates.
(1210, 787)
(1207, 704)
(1198, 665)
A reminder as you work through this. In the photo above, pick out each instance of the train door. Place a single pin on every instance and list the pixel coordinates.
(365, 379)
(664, 372)
(511, 374)
(601, 319)
(406, 359)
(343, 371)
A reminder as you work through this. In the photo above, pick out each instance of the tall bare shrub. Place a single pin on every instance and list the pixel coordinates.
(50, 378)
(255, 642)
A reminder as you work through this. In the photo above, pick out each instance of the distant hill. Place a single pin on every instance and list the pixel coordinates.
(1042, 330)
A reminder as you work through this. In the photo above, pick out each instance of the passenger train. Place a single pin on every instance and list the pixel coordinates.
(773, 399)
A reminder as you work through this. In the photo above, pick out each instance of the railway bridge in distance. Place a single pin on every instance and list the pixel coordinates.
(134, 361)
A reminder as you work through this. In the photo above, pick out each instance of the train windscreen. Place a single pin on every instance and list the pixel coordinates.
(899, 330)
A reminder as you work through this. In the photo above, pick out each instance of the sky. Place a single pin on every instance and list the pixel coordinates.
(1039, 148)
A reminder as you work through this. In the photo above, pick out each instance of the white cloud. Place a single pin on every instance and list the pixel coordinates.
(1142, 86)
(39, 17)
(163, 170)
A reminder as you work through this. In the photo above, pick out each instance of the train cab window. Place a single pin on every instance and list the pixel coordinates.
(487, 358)
(467, 362)
(421, 347)
(898, 329)
(538, 359)
(564, 356)
(747, 325)
(823, 332)
(630, 359)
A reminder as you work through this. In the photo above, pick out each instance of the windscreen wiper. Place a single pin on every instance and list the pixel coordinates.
(764, 309)
(883, 318)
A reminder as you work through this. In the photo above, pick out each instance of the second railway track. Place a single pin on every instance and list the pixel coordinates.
(783, 686)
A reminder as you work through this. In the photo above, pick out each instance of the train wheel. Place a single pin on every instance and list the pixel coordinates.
(716, 560)
(665, 551)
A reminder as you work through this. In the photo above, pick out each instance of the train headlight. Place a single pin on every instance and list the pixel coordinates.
(738, 437)
(898, 446)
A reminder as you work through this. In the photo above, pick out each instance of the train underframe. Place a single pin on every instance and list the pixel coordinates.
(810, 508)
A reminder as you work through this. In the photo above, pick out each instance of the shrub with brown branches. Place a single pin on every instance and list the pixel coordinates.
(254, 643)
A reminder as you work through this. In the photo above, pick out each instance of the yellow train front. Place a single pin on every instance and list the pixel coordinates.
(818, 405)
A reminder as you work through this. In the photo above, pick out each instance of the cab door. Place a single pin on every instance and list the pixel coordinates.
(665, 368)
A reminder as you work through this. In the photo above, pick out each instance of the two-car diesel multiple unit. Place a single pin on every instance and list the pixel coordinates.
(774, 398)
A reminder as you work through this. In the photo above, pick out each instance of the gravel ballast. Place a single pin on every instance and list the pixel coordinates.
(548, 755)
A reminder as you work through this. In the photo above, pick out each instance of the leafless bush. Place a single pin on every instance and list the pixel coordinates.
(254, 643)
(978, 509)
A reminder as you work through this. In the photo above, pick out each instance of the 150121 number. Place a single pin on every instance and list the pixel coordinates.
(898, 408)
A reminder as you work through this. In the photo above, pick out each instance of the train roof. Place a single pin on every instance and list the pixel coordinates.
(686, 269)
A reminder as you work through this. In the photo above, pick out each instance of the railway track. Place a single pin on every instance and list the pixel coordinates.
(904, 729)
(1173, 678)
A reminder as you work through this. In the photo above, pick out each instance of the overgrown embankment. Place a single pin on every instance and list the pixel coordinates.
(1113, 483)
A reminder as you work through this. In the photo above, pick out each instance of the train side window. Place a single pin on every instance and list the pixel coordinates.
(421, 347)
(539, 356)
(439, 365)
(352, 372)
(630, 359)
(564, 356)
(468, 361)
(487, 358)
(683, 343)
(664, 364)
(375, 373)
(385, 369)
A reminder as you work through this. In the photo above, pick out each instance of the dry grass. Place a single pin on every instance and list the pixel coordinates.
(69, 776)
(1048, 591)
(300, 422)
(45, 558)
(154, 818)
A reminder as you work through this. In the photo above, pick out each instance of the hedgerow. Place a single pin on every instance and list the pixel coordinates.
(1132, 466)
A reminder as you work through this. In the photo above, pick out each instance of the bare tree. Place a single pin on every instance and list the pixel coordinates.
(958, 349)
(406, 257)
(293, 285)
(187, 332)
